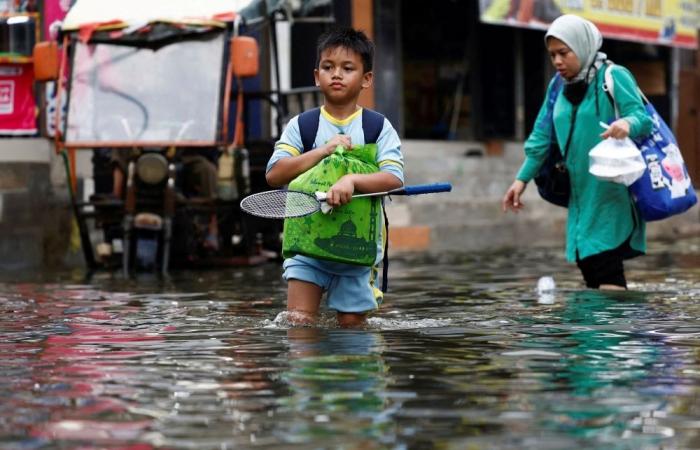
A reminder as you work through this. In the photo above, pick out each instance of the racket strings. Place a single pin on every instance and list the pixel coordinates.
(280, 204)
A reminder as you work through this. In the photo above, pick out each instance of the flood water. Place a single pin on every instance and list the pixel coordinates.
(463, 354)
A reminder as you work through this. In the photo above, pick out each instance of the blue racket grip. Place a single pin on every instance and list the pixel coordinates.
(427, 188)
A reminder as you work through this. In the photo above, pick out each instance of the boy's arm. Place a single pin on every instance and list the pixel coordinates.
(286, 169)
(341, 192)
(390, 176)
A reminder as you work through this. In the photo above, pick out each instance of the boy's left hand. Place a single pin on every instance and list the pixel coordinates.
(341, 192)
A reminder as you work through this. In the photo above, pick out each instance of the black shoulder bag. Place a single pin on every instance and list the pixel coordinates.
(552, 180)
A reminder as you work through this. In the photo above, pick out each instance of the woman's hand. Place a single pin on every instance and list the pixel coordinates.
(512, 198)
(619, 129)
(341, 192)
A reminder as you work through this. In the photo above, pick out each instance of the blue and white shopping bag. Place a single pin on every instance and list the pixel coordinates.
(664, 189)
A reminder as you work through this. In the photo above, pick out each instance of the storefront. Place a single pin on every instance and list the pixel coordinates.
(477, 70)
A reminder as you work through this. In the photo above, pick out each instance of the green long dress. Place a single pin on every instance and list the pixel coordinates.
(602, 215)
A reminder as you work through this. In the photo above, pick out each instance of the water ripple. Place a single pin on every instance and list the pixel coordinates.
(464, 353)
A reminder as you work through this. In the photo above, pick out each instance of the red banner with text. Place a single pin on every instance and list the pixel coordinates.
(17, 105)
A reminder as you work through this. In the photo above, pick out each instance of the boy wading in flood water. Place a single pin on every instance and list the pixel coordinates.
(333, 140)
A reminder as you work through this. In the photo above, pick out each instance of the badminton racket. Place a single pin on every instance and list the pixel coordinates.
(285, 204)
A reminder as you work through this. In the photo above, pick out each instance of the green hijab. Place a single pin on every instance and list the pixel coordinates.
(584, 39)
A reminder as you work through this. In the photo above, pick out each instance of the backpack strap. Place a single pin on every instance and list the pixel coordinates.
(385, 261)
(372, 125)
(308, 127)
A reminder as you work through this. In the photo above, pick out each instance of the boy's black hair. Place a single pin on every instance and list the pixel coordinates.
(351, 39)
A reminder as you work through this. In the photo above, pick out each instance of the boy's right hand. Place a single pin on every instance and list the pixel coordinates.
(339, 139)
(341, 192)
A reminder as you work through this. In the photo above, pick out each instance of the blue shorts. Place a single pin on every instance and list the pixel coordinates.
(345, 293)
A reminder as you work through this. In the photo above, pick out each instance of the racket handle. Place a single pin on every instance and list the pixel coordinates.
(427, 188)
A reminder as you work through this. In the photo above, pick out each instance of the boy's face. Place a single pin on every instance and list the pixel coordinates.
(341, 76)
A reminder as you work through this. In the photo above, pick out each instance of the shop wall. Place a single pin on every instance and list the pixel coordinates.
(688, 127)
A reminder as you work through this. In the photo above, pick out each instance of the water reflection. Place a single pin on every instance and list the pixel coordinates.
(336, 380)
(595, 362)
(463, 354)
(74, 384)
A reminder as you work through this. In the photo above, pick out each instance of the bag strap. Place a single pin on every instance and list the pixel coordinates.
(574, 113)
(552, 97)
(385, 262)
(609, 88)
(551, 100)
(308, 127)
(372, 125)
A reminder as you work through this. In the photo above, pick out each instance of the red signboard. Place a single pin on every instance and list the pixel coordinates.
(17, 105)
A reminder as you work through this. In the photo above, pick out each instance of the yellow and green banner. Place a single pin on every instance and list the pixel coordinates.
(666, 22)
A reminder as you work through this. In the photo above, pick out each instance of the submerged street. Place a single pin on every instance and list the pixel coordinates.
(142, 302)
(464, 353)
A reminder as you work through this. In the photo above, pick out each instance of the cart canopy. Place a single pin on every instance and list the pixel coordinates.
(155, 23)
(138, 13)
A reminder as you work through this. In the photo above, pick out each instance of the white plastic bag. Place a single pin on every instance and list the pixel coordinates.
(616, 160)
